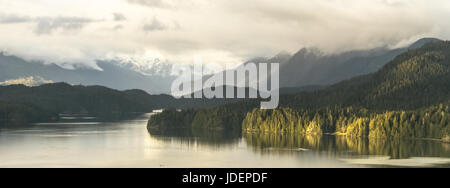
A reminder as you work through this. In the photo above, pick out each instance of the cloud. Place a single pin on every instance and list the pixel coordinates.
(220, 31)
(118, 27)
(394, 3)
(119, 17)
(151, 3)
(46, 25)
(154, 25)
(49, 25)
(13, 19)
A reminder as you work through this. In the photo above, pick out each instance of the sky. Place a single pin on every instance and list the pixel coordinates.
(218, 31)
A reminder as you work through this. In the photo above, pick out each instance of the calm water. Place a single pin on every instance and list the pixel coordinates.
(129, 144)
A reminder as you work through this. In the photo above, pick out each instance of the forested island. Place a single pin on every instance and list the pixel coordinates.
(408, 98)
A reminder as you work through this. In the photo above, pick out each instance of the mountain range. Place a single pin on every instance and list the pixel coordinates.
(312, 67)
(307, 67)
(117, 75)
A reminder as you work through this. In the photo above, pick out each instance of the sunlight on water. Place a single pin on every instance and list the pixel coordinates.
(129, 144)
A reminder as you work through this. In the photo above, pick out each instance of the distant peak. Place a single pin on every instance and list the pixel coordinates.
(422, 42)
(143, 63)
(283, 54)
(30, 81)
(309, 53)
(57, 84)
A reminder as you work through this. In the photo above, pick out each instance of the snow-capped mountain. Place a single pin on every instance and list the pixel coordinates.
(144, 64)
(27, 81)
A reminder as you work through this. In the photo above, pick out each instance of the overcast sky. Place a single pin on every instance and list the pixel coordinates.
(223, 31)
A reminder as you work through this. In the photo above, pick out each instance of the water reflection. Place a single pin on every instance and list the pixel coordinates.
(212, 139)
(128, 143)
(345, 146)
(330, 145)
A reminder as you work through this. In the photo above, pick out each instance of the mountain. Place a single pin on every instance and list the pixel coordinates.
(295, 90)
(65, 98)
(144, 64)
(22, 104)
(117, 75)
(308, 67)
(422, 42)
(417, 78)
(312, 67)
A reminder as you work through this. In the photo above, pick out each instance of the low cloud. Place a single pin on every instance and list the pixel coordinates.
(154, 25)
(118, 27)
(151, 3)
(49, 25)
(119, 17)
(13, 19)
(219, 31)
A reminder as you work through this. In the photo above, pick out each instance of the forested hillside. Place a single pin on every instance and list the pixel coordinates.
(313, 67)
(64, 98)
(409, 97)
(415, 79)
(17, 114)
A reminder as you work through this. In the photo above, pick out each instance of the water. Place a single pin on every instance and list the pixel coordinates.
(128, 144)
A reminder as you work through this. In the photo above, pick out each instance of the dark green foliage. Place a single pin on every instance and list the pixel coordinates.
(12, 115)
(224, 119)
(426, 123)
(228, 117)
(64, 98)
(283, 120)
(172, 119)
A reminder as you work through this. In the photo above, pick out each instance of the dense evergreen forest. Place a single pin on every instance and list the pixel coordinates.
(409, 97)
(228, 118)
(426, 123)
(16, 114)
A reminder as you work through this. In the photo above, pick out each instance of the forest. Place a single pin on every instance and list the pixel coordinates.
(12, 115)
(426, 123)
